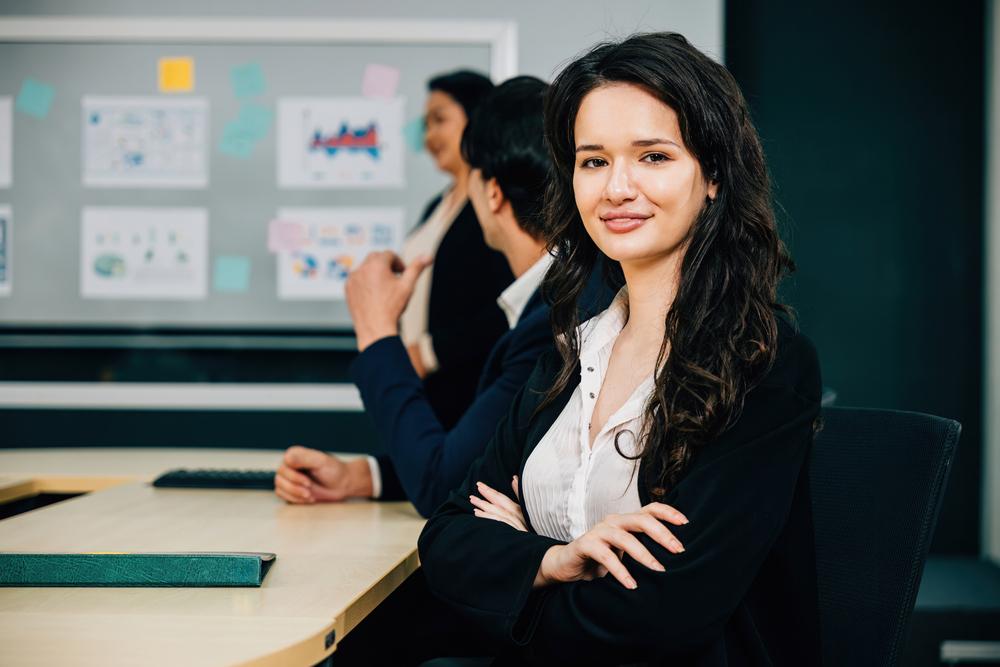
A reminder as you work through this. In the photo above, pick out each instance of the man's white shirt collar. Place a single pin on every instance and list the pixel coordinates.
(515, 298)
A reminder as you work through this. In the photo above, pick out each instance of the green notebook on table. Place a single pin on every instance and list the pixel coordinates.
(177, 569)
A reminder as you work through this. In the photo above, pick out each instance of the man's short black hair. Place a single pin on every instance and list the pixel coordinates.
(466, 87)
(505, 140)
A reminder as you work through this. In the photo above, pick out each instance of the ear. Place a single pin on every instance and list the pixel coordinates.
(494, 195)
(713, 189)
(712, 182)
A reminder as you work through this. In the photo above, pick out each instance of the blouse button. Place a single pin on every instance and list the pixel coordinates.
(590, 369)
(591, 394)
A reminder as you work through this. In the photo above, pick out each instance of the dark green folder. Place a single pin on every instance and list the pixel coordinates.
(182, 569)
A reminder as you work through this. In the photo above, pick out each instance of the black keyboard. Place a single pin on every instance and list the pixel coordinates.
(216, 478)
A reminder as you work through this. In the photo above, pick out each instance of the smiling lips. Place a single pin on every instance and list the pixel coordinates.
(622, 222)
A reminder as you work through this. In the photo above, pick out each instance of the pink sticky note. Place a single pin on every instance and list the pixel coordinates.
(285, 236)
(380, 81)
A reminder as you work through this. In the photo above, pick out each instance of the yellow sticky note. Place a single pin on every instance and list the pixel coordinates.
(176, 75)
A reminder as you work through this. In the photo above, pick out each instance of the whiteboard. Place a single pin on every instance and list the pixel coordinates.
(88, 59)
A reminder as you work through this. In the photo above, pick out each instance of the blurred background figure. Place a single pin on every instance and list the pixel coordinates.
(452, 320)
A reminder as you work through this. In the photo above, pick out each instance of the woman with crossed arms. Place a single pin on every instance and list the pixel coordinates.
(646, 499)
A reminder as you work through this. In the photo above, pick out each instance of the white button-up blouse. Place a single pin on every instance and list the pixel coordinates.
(569, 486)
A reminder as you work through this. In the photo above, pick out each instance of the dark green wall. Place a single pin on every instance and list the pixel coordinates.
(872, 119)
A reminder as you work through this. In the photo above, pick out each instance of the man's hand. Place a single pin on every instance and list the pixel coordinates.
(377, 293)
(311, 476)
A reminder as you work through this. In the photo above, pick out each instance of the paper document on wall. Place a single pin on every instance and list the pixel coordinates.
(6, 250)
(144, 253)
(334, 241)
(349, 142)
(6, 141)
(145, 142)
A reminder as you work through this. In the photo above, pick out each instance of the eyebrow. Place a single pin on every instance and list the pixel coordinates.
(639, 143)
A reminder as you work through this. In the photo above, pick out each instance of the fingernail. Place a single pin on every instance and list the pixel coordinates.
(631, 584)
(677, 546)
(659, 567)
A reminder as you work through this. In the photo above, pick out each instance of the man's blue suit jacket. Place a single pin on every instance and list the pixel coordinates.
(424, 461)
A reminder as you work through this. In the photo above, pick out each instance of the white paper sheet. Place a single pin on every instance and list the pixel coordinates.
(6, 142)
(145, 142)
(6, 250)
(337, 239)
(144, 253)
(346, 142)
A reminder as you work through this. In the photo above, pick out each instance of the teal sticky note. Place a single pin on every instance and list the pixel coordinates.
(231, 273)
(255, 120)
(236, 141)
(247, 80)
(413, 132)
(35, 98)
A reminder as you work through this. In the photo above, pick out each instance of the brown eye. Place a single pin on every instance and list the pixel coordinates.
(655, 158)
(592, 163)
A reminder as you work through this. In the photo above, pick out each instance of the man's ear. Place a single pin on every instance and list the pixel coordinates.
(494, 195)
(713, 190)
(713, 184)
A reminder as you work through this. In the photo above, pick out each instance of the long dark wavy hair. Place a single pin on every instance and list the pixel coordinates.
(721, 329)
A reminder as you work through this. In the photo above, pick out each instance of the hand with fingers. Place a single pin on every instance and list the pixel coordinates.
(308, 476)
(498, 507)
(377, 292)
(599, 551)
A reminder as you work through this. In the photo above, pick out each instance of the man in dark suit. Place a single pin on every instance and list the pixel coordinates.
(504, 146)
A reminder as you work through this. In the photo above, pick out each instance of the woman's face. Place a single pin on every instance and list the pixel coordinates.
(445, 120)
(637, 187)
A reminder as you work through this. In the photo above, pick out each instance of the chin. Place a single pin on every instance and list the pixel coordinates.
(624, 247)
(647, 243)
(630, 251)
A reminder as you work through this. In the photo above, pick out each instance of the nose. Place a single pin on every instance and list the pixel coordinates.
(619, 188)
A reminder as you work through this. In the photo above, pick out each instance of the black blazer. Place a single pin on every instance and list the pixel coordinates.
(463, 318)
(742, 593)
(425, 461)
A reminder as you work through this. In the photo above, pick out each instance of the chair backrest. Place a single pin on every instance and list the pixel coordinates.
(877, 478)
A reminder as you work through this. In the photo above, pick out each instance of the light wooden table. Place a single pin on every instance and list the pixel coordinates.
(335, 563)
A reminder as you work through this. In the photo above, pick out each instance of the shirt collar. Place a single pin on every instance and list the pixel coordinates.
(515, 298)
(604, 327)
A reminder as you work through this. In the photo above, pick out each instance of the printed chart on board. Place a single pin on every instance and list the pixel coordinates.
(328, 243)
(6, 245)
(145, 142)
(143, 253)
(6, 142)
(344, 142)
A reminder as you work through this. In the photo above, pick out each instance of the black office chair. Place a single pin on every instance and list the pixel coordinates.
(877, 478)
